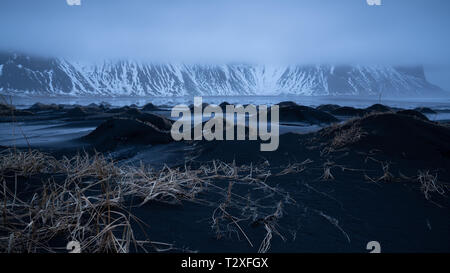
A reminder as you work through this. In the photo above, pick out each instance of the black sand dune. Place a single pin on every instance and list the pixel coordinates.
(123, 131)
(132, 111)
(131, 127)
(349, 111)
(150, 107)
(425, 110)
(77, 112)
(291, 112)
(287, 104)
(158, 121)
(401, 137)
(39, 107)
(104, 105)
(379, 108)
(398, 133)
(93, 105)
(192, 107)
(119, 110)
(8, 110)
(334, 190)
(328, 107)
(368, 176)
(223, 105)
(413, 113)
(397, 137)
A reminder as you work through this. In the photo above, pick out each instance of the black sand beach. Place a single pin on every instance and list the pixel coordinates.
(116, 181)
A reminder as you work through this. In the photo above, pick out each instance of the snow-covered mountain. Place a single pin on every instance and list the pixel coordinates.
(25, 75)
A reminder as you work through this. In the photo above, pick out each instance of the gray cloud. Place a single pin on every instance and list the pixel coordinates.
(278, 31)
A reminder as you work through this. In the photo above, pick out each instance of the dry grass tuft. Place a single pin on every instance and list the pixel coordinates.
(26, 163)
(84, 202)
(221, 215)
(347, 136)
(64, 212)
(85, 199)
(385, 166)
(270, 224)
(387, 175)
(295, 168)
(234, 210)
(342, 134)
(327, 175)
(429, 184)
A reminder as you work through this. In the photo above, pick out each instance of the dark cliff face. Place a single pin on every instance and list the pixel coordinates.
(22, 74)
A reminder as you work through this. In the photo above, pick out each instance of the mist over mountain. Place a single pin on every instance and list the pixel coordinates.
(26, 75)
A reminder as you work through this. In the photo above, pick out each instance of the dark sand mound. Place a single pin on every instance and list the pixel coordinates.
(407, 143)
(104, 105)
(287, 104)
(300, 113)
(348, 111)
(413, 113)
(133, 112)
(38, 107)
(396, 135)
(17, 113)
(77, 112)
(328, 107)
(8, 110)
(130, 127)
(223, 105)
(120, 131)
(83, 111)
(379, 108)
(158, 121)
(204, 105)
(225, 123)
(340, 214)
(425, 110)
(93, 105)
(150, 107)
(118, 110)
(98, 109)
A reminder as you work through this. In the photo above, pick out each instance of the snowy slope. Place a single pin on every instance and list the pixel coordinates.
(21, 74)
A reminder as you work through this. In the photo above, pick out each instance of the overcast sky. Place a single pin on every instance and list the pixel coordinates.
(223, 31)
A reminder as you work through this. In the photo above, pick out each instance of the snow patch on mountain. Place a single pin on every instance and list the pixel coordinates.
(21, 74)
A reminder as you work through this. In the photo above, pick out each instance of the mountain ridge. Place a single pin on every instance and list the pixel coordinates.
(22, 74)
